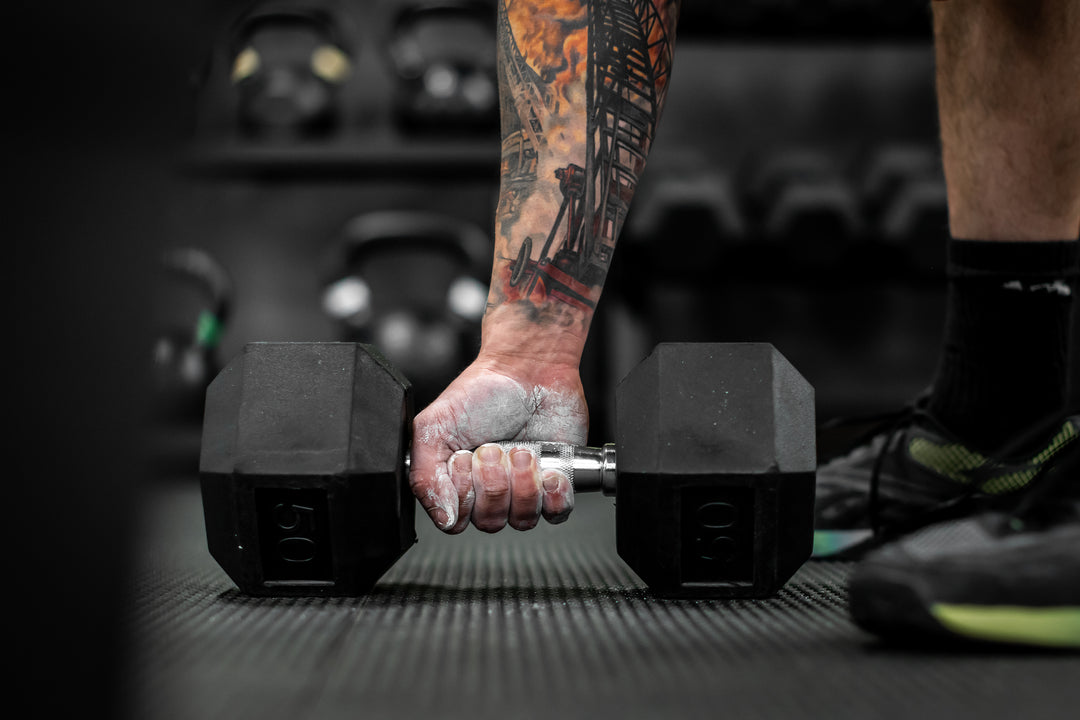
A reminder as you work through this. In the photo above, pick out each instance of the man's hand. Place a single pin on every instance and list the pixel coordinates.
(492, 401)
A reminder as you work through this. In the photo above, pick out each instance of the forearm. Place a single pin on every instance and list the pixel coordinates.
(581, 94)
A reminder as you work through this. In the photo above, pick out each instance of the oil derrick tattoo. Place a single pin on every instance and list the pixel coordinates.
(612, 57)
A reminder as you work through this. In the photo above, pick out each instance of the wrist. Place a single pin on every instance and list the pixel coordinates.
(513, 336)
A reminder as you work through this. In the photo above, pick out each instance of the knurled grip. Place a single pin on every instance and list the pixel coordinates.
(590, 469)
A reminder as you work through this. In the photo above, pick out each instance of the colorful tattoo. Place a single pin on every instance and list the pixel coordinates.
(582, 83)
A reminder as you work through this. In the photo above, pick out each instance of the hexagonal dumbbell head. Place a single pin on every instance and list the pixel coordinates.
(303, 477)
(716, 457)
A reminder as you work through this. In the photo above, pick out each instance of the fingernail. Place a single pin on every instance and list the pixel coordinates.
(489, 454)
(551, 482)
(440, 517)
(521, 459)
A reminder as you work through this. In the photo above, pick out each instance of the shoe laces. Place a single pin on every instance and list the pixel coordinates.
(880, 439)
(916, 412)
(1054, 490)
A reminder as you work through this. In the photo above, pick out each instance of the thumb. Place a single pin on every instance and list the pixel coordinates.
(429, 479)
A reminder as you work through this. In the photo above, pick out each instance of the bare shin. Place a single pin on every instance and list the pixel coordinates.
(1010, 117)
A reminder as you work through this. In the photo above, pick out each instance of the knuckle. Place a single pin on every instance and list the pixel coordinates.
(458, 528)
(492, 524)
(523, 518)
(524, 523)
(466, 498)
(526, 492)
(561, 516)
(493, 489)
(558, 506)
(422, 491)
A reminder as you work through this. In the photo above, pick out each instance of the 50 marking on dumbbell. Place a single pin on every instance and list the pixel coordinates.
(305, 481)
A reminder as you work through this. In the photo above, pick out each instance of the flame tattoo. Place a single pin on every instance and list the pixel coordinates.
(582, 84)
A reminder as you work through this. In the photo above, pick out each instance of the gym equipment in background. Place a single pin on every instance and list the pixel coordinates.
(905, 195)
(801, 195)
(413, 283)
(185, 353)
(288, 65)
(443, 56)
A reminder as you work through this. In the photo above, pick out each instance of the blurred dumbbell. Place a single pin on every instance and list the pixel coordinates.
(802, 194)
(905, 195)
(802, 202)
(288, 65)
(414, 284)
(699, 208)
(443, 55)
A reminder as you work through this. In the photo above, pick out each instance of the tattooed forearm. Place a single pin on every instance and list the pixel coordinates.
(582, 83)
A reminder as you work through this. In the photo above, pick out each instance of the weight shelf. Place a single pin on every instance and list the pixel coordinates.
(378, 158)
(544, 624)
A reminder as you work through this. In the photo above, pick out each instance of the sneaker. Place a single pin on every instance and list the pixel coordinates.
(911, 472)
(998, 577)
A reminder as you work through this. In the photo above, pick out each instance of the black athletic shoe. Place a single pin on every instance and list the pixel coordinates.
(911, 472)
(995, 577)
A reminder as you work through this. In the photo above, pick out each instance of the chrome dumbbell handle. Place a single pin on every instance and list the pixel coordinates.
(590, 469)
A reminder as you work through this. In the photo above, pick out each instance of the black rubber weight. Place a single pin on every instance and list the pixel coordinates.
(543, 624)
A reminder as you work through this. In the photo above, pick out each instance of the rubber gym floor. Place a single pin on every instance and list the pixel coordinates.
(543, 624)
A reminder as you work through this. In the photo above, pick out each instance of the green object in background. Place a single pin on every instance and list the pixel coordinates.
(208, 330)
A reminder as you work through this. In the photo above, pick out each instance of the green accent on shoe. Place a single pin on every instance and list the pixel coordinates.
(959, 464)
(1043, 626)
(832, 542)
(951, 460)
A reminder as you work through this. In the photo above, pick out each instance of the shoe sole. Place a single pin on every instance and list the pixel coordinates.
(888, 603)
(1042, 626)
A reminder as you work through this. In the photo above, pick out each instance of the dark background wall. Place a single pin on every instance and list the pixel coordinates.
(97, 94)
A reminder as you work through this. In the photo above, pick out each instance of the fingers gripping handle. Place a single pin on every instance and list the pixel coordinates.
(590, 469)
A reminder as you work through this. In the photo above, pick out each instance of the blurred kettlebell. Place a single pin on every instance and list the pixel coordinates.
(185, 356)
(443, 54)
(414, 284)
(289, 64)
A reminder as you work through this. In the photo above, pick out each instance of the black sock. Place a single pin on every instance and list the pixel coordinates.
(1004, 363)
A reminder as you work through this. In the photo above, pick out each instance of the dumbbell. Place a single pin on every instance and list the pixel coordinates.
(801, 194)
(304, 469)
(684, 201)
(905, 194)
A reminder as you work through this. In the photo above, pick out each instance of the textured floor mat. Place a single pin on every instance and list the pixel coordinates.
(544, 624)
